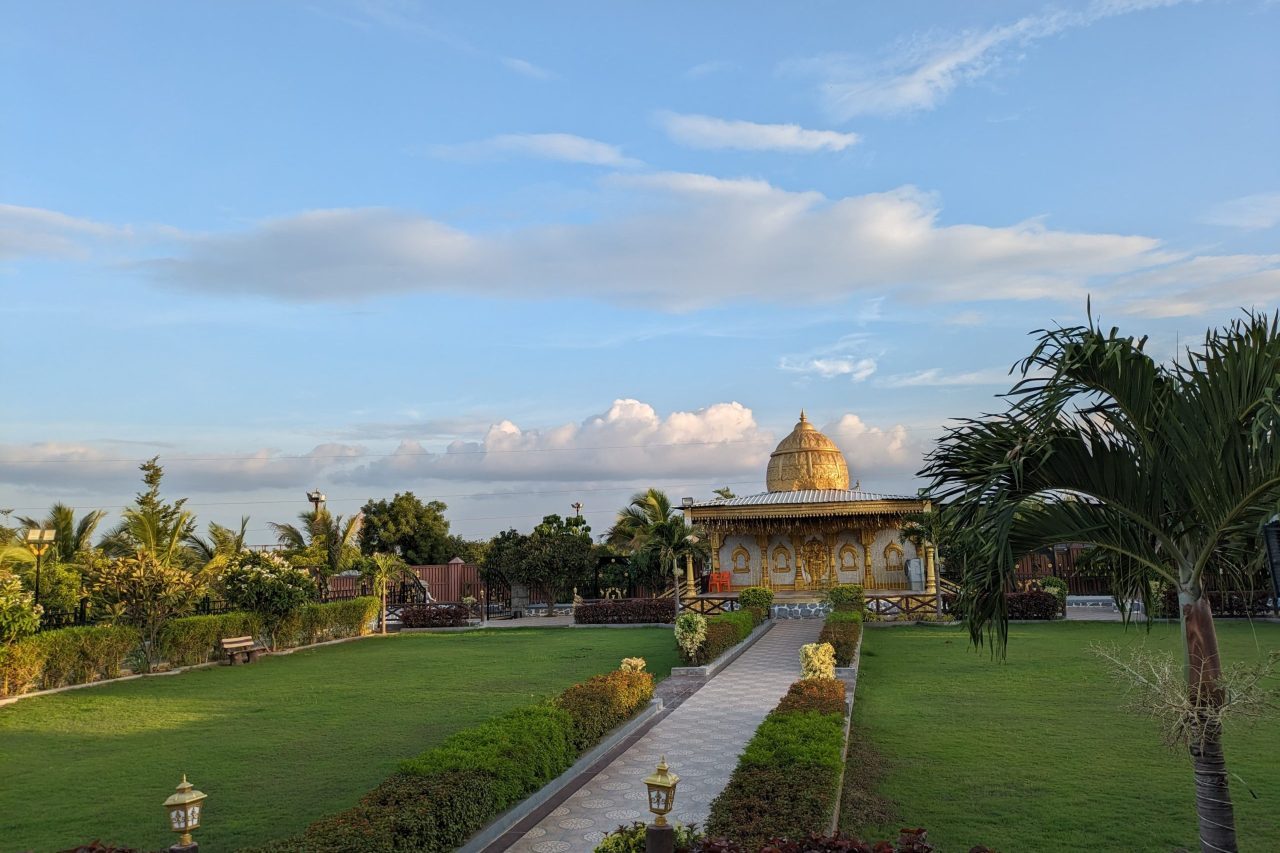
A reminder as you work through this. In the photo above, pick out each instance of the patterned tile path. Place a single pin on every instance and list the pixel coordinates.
(701, 739)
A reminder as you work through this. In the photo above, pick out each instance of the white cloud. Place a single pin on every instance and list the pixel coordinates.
(700, 131)
(1200, 284)
(856, 369)
(714, 66)
(70, 467)
(629, 440)
(26, 231)
(936, 377)
(1251, 213)
(564, 147)
(926, 69)
(692, 241)
(528, 69)
(875, 452)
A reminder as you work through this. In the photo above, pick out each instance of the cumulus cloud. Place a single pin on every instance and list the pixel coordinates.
(629, 440)
(876, 453)
(696, 241)
(1250, 213)
(80, 467)
(708, 132)
(29, 231)
(1201, 284)
(827, 368)
(919, 73)
(563, 147)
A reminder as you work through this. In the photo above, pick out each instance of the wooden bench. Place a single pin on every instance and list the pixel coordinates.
(241, 647)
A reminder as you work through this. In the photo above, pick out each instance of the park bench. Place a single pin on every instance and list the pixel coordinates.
(237, 647)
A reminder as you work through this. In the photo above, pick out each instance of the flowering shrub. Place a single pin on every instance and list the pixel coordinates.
(19, 614)
(691, 631)
(267, 585)
(817, 660)
(602, 702)
(632, 665)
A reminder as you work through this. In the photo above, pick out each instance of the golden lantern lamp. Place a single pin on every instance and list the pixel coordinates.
(662, 791)
(184, 809)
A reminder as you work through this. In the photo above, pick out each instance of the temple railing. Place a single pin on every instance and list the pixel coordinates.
(711, 605)
(904, 605)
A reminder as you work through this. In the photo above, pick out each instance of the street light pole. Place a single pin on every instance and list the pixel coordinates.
(37, 542)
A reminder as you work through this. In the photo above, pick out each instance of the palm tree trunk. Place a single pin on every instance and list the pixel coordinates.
(1204, 672)
(384, 608)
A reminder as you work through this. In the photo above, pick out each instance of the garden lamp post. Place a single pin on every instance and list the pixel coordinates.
(659, 837)
(184, 809)
(37, 542)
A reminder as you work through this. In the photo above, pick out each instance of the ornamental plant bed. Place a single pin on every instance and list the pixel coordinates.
(842, 630)
(626, 611)
(1035, 604)
(435, 616)
(799, 749)
(723, 633)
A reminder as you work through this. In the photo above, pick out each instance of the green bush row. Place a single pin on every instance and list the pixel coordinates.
(842, 630)
(442, 797)
(847, 597)
(724, 632)
(90, 653)
(798, 749)
(66, 656)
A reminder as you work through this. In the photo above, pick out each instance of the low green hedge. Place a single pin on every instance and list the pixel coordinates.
(842, 630)
(724, 632)
(196, 639)
(65, 656)
(847, 597)
(316, 623)
(442, 797)
(795, 750)
(756, 596)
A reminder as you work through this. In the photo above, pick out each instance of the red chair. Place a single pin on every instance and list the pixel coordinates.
(718, 582)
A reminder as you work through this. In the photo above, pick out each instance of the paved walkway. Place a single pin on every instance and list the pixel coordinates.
(701, 739)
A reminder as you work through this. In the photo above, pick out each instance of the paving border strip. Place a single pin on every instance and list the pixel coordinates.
(849, 675)
(500, 825)
(710, 669)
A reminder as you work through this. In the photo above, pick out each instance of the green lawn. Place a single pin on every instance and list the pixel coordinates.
(278, 743)
(1038, 754)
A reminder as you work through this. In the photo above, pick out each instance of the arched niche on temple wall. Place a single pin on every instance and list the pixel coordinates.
(850, 557)
(889, 555)
(740, 556)
(782, 560)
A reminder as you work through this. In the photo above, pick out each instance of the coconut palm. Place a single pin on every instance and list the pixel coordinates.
(221, 544)
(634, 521)
(73, 537)
(656, 535)
(1170, 469)
(380, 571)
(327, 541)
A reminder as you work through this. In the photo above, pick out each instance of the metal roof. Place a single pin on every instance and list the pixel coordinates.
(803, 496)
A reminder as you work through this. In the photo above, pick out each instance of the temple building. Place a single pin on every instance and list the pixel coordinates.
(810, 531)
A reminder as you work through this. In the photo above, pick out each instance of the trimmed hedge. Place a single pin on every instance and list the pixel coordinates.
(625, 611)
(824, 695)
(795, 750)
(435, 616)
(1231, 604)
(723, 633)
(316, 623)
(756, 596)
(195, 639)
(66, 656)
(602, 702)
(442, 797)
(847, 597)
(909, 840)
(1036, 604)
(842, 630)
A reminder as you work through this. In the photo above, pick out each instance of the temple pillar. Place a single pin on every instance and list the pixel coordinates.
(762, 542)
(716, 541)
(868, 538)
(833, 572)
(930, 571)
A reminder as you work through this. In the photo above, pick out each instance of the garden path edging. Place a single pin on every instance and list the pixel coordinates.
(710, 669)
(503, 823)
(849, 675)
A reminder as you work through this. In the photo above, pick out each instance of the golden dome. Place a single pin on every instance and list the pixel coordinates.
(806, 459)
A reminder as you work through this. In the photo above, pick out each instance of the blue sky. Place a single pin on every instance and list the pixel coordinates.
(516, 255)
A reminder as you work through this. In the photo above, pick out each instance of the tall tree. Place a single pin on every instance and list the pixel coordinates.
(415, 531)
(656, 536)
(380, 571)
(221, 545)
(560, 550)
(152, 525)
(73, 537)
(1172, 469)
(323, 542)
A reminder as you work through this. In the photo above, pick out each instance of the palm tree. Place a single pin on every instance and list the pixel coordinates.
(379, 571)
(155, 535)
(1169, 469)
(656, 535)
(221, 544)
(325, 539)
(73, 537)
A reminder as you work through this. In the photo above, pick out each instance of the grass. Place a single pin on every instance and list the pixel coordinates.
(1039, 753)
(278, 743)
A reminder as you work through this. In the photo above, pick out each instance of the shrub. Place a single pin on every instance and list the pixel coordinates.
(19, 614)
(601, 703)
(824, 695)
(723, 632)
(691, 632)
(1036, 604)
(195, 639)
(21, 664)
(756, 596)
(797, 751)
(908, 841)
(817, 660)
(846, 597)
(631, 839)
(1057, 586)
(435, 616)
(316, 623)
(84, 654)
(626, 611)
(841, 616)
(265, 584)
(633, 665)
(843, 636)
